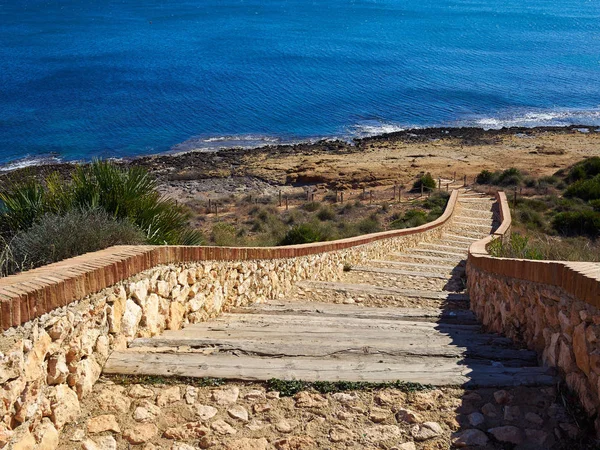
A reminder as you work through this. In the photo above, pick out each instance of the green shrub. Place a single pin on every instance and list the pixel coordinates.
(532, 204)
(369, 225)
(426, 181)
(437, 200)
(518, 246)
(412, 218)
(301, 234)
(123, 193)
(550, 180)
(311, 206)
(57, 237)
(595, 204)
(510, 177)
(484, 177)
(325, 213)
(577, 223)
(585, 189)
(224, 235)
(531, 219)
(586, 169)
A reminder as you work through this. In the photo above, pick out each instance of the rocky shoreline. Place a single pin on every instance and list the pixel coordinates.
(195, 165)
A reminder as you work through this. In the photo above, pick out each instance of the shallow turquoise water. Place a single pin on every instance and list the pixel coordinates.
(81, 78)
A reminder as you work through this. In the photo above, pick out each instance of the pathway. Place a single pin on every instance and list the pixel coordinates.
(404, 317)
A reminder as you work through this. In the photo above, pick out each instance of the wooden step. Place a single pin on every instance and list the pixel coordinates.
(459, 237)
(449, 268)
(378, 290)
(483, 211)
(463, 248)
(414, 256)
(419, 250)
(477, 225)
(369, 368)
(381, 270)
(307, 309)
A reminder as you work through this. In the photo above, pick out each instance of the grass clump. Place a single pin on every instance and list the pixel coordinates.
(124, 194)
(288, 388)
(224, 235)
(412, 218)
(325, 213)
(301, 234)
(508, 177)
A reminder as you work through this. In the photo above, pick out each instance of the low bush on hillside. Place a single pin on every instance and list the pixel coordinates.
(301, 234)
(43, 221)
(55, 237)
(508, 177)
(426, 181)
(539, 246)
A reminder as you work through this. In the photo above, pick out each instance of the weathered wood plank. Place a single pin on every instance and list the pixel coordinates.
(445, 246)
(342, 322)
(449, 268)
(307, 309)
(382, 270)
(378, 290)
(303, 347)
(420, 250)
(459, 237)
(370, 368)
(427, 258)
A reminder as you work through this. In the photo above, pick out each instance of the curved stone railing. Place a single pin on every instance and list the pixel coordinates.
(28, 295)
(550, 306)
(62, 321)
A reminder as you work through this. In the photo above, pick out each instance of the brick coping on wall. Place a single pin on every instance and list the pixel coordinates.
(30, 294)
(580, 279)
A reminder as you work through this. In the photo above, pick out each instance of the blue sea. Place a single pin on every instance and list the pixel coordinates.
(118, 78)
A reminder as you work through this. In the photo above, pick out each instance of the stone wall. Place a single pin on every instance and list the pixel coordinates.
(51, 361)
(550, 306)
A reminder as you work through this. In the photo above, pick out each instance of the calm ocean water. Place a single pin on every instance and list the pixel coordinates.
(117, 78)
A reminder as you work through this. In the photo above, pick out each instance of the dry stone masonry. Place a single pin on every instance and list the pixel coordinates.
(549, 306)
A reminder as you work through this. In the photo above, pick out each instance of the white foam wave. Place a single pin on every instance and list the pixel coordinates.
(29, 162)
(375, 128)
(537, 119)
(216, 143)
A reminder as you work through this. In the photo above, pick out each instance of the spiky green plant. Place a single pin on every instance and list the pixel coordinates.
(125, 194)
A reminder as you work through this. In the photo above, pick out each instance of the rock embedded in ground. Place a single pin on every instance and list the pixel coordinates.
(425, 431)
(507, 433)
(379, 415)
(100, 424)
(168, 396)
(190, 430)
(502, 397)
(141, 433)
(534, 418)
(381, 433)
(247, 444)
(226, 396)
(286, 425)
(469, 438)
(340, 433)
(476, 419)
(238, 412)
(408, 416)
(146, 412)
(205, 412)
(406, 446)
(222, 427)
(139, 391)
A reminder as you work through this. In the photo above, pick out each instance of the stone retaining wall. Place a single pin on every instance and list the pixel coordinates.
(79, 311)
(550, 306)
